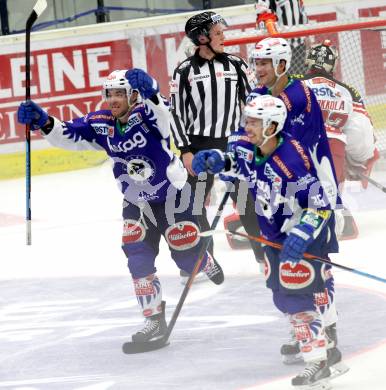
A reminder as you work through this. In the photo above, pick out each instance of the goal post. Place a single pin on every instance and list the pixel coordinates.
(361, 44)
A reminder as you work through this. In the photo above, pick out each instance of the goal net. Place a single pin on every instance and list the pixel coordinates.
(362, 59)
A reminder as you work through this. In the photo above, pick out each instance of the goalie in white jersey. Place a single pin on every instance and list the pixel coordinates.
(348, 125)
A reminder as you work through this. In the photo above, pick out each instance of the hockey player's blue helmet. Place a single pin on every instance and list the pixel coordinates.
(322, 57)
(201, 24)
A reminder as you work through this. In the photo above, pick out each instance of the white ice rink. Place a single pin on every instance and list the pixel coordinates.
(49, 295)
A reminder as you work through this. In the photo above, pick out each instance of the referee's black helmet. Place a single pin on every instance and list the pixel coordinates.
(201, 24)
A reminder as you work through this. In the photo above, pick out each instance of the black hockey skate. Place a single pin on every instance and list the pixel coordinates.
(334, 356)
(315, 376)
(214, 271)
(155, 328)
(184, 277)
(290, 352)
(335, 364)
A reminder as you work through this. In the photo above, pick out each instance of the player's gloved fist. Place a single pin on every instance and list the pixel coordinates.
(294, 246)
(32, 114)
(211, 161)
(141, 81)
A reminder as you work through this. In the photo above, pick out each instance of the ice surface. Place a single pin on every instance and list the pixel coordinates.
(67, 303)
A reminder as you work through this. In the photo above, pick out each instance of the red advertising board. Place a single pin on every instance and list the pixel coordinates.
(66, 79)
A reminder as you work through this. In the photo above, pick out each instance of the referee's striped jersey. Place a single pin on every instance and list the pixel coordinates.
(290, 13)
(206, 97)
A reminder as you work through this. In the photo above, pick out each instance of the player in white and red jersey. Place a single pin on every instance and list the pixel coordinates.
(349, 128)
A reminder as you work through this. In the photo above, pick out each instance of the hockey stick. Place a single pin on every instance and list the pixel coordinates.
(306, 255)
(372, 181)
(131, 347)
(38, 9)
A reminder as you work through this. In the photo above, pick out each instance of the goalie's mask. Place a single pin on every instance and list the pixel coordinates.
(322, 57)
(201, 24)
(271, 110)
(117, 80)
(277, 49)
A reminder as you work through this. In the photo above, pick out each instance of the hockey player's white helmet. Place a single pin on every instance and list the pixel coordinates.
(117, 80)
(277, 49)
(270, 109)
(322, 57)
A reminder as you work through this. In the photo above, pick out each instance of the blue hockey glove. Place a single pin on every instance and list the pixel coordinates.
(141, 81)
(211, 161)
(294, 246)
(31, 113)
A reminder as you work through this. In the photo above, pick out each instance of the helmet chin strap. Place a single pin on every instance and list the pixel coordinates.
(211, 48)
(278, 77)
(124, 117)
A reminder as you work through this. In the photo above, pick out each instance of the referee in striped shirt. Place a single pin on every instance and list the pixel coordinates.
(290, 13)
(207, 92)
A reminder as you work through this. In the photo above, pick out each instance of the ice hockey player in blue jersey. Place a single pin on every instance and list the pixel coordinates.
(271, 59)
(134, 132)
(293, 209)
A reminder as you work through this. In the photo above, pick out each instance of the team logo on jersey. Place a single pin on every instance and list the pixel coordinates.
(138, 140)
(300, 276)
(182, 235)
(273, 176)
(145, 197)
(102, 128)
(133, 231)
(133, 120)
(235, 138)
(298, 119)
(323, 91)
(140, 169)
(244, 153)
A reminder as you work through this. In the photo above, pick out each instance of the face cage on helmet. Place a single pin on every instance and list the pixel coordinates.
(105, 89)
(327, 66)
